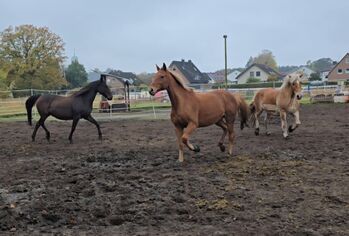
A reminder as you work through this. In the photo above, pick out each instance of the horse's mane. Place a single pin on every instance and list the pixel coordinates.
(288, 81)
(179, 81)
(86, 89)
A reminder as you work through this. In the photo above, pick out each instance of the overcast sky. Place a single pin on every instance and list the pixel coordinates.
(134, 35)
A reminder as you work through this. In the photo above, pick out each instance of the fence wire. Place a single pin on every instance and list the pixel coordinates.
(139, 105)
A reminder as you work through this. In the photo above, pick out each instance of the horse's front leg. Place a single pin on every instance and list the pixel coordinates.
(179, 133)
(93, 121)
(297, 122)
(185, 137)
(283, 117)
(75, 122)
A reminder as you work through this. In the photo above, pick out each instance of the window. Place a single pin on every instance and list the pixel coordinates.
(347, 60)
(258, 73)
(252, 74)
(339, 71)
(347, 71)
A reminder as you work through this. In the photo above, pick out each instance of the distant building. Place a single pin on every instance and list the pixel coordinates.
(258, 71)
(232, 76)
(189, 73)
(216, 77)
(324, 75)
(340, 72)
(126, 76)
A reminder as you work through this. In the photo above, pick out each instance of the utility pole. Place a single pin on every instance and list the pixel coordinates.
(225, 61)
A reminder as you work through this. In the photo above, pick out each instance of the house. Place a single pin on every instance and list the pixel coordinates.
(340, 72)
(190, 74)
(306, 71)
(232, 76)
(258, 71)
(324, 75)
(126, 76)
(216, 77)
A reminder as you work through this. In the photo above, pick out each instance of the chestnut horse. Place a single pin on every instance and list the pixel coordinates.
(74, 107)
(192, 110)
(283, 100)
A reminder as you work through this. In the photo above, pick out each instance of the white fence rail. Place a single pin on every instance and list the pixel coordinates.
(140, 103)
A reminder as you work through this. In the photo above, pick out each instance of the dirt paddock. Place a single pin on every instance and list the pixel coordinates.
(132, 184)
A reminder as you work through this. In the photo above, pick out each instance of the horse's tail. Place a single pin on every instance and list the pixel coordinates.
(243, 111)
(253, 110)
(29, 105)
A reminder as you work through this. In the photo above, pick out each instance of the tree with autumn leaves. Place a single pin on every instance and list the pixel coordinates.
(31, 57)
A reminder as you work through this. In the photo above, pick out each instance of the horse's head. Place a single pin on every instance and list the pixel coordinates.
(160, 81)
(296, 86)
(103, 88)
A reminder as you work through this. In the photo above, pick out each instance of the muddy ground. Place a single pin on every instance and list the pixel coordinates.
(132, 184)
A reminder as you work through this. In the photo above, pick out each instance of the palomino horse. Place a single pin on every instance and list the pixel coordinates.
(74, 107)
(284, 100)
(191, 110)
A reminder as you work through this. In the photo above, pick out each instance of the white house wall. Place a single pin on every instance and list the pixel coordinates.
(244, 77)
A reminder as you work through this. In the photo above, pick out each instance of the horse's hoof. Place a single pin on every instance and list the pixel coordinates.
(268, 133)
(196, 148)
(256, 132)
(290, 129)
(285, 137)
(222, 147)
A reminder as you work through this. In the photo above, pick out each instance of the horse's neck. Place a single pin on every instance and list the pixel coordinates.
(176, 93)
(90, 96)
(287, 95)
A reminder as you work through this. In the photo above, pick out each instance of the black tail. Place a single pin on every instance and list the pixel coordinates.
(29, 105)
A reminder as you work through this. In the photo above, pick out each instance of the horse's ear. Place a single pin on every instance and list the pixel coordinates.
(164, 66)
(301, 75)
(157, 67)
(103, 78)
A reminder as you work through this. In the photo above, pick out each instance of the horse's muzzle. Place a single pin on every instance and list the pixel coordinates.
(299, 96)
(110, 97)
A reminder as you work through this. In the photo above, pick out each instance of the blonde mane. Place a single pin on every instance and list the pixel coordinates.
(179, 81)
(289, 80)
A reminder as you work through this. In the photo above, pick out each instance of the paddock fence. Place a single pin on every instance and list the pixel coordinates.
(139, 104)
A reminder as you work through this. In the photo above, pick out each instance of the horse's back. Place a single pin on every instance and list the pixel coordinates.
(55, 105)
(266, 96)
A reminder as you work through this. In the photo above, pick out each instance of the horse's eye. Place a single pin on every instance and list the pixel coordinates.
(161, 77)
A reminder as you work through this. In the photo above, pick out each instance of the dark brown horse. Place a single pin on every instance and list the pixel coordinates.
(74, 107)
(192, 110)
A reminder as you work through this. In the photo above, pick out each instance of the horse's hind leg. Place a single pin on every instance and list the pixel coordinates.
(37, 126)
(224, 127)
(75, 122)
(185, 137)
(266, 123)
(48, 135)
(93, 121)
(297, 122)
(283, 117)
(36, 129)
(256, 116)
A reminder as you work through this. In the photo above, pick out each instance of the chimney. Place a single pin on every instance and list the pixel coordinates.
(183, 60)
